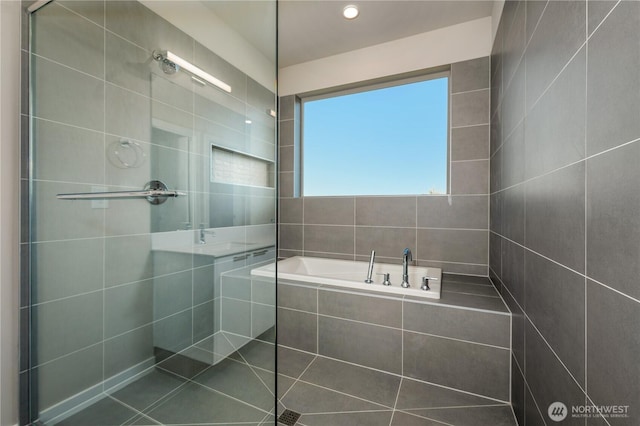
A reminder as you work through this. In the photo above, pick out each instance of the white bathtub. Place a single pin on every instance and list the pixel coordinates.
(346, 273)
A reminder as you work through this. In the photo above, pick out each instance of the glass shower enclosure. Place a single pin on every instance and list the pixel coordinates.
(149, 195)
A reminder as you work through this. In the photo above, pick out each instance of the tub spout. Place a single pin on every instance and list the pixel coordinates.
(406, 258)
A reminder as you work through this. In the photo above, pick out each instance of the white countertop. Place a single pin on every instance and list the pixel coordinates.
(217, 249)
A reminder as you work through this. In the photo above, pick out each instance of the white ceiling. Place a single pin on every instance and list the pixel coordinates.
(311, 30)
(254, 20)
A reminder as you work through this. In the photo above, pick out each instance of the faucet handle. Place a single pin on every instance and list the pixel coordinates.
(425, 283)
(386, 278)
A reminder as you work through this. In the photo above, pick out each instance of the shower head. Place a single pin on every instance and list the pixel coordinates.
(165, 64)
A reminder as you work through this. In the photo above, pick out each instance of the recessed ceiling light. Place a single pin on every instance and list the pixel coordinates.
(350, 12)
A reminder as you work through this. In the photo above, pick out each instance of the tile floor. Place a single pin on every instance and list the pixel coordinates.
(328, 392)
(237, 389)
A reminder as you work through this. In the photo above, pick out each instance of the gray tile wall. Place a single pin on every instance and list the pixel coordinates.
(564, 202)
(101, 298)
(466, 348)
(447, 232)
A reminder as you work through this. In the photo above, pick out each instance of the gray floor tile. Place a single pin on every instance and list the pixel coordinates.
(309, 399)
(283, 385)
(416, 395)
(142, 421)
(105, 412)
(368, 418)
(362, 382)
(291, 362)
(268, 336)
(148, 389)
(404, 419)
(238, 381)
(471, 416)
(197, 404)
(259, 354)
(183, 366)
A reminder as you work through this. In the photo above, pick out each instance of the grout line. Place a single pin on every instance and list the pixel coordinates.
(104, 212)
(601, 22)
(395, 404)
(469, 91)
(586, 198)
(497, 401)
(401, 329)
(297, 379)
(535, 402)
(409, 413)
(569, 269)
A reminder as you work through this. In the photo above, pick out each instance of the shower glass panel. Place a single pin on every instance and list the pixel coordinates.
(157, 122)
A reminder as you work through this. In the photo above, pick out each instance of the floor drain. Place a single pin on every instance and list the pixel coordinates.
(288, 417)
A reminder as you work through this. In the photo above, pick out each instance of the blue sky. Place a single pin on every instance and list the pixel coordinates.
(380, 142)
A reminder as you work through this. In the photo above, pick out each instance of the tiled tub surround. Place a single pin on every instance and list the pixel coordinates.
(565, 212)
(351, 275)
(461, 341)
(94, 268)
(447, 232)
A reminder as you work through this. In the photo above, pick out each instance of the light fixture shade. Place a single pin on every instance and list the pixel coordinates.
(188, 66)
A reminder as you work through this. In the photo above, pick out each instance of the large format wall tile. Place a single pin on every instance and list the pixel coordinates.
(68, 325)
(548, 378)
(612, 91)
(613, 345)
(470, 143)
(364, 344)
(555, 130)
(569, 333)
(555, 303)
(69, 375)
(385, 211)
(559, 35)
(555, 216)
(329, 211)
(471, 367)
(67, 96)
(461, 324)
(468, 212)
(387, 242)
(470, 75)
(329, 239)
(471, 108)
(464, 246)
(613, 219)
(373, 310)
(67, 38)
(297, 330)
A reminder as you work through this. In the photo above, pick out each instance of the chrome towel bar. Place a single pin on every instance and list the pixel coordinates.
(155, 192)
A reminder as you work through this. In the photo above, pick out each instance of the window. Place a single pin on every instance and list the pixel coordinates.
(389, 140)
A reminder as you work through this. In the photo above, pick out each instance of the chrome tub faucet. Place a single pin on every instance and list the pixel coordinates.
(406, 258)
